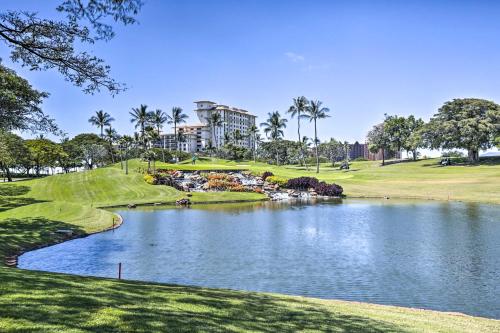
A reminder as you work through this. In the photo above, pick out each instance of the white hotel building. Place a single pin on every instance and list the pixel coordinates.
(197, 137)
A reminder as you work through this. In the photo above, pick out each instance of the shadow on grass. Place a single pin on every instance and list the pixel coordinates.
(19, 235)
(65, 302)
(10, 197)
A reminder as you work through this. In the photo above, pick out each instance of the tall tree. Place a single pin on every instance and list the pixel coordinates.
(101, 119)
(215, 121)
(20, 105)
(41, 44)
(111, 136)
(298, 109)
(397, 130)
(252, 133)
(177, 117)
(141, 117)
(13, 152)
(467, 123)
(415, 136)
(159, 118)
(316, 111)
(378, 140)
(333, 150)
(273, 128)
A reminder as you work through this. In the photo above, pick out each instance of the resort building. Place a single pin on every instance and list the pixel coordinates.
(358, 150)
(198, 137)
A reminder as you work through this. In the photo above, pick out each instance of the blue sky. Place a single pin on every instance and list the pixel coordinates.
(361, 58)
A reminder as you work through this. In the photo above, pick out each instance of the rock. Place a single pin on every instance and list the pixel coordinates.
(67, 232)
(183, 202)
(131, 205)
(157, 204)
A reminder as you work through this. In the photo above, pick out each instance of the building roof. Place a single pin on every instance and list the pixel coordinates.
(204, 102)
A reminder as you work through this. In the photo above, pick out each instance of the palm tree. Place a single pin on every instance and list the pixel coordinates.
(100, 120)
(215, 121)
(111, 135)
(298, 109)
(273, 127)
(158, 119)
(126, 142)
(141, 117)
(177, 117)
(315, 111)
(252, 133)
(237, 136)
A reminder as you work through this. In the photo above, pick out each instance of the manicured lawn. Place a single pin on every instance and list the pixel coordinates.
(31, 211)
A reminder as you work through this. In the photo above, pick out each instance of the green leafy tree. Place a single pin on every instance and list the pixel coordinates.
(316, 111)
(397, 131)
(273, 128)
(90, 148)
(378, 139)
(101, 119)
(415, 140)
(44, 153)
(41, 44)
(333, 150)
(467, 123)
(13, 152)
(20, 105)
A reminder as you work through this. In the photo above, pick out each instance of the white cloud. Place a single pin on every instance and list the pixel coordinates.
(294, 57)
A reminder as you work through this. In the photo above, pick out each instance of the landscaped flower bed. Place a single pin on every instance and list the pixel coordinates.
(276, 187)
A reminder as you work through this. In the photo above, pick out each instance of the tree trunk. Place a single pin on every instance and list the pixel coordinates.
(473, 155)
(414, 154)
(7, 173)
(316, 146)
(126, 166)
(383, 156)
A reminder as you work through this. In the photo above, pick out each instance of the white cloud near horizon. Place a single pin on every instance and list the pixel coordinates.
(294, 57)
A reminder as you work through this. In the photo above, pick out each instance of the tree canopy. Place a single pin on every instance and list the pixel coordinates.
(469, 123)
(41, 44)
(20, 105)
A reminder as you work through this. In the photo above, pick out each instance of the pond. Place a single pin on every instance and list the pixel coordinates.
(435, 255)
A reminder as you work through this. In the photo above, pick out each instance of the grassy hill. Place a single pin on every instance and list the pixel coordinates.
(31, 211)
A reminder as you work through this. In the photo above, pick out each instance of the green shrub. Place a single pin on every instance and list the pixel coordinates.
(281, 181)
(360, 159)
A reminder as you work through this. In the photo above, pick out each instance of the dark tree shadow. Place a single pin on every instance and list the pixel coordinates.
(73, 303)
(20, 235)
(13, 190)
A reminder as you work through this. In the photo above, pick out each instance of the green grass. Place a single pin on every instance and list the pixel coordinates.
(31, 211)
(423, 179)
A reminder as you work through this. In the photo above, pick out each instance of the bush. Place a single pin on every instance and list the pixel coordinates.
(281, 181)
(452, 153)
(266, 174)
(331, 190)
(302, 183)
(150, 179)
(360, 159)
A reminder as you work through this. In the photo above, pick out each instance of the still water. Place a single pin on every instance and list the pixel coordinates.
(434, 255)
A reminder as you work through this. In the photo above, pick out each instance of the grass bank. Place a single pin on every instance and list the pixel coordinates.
(31, 211)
